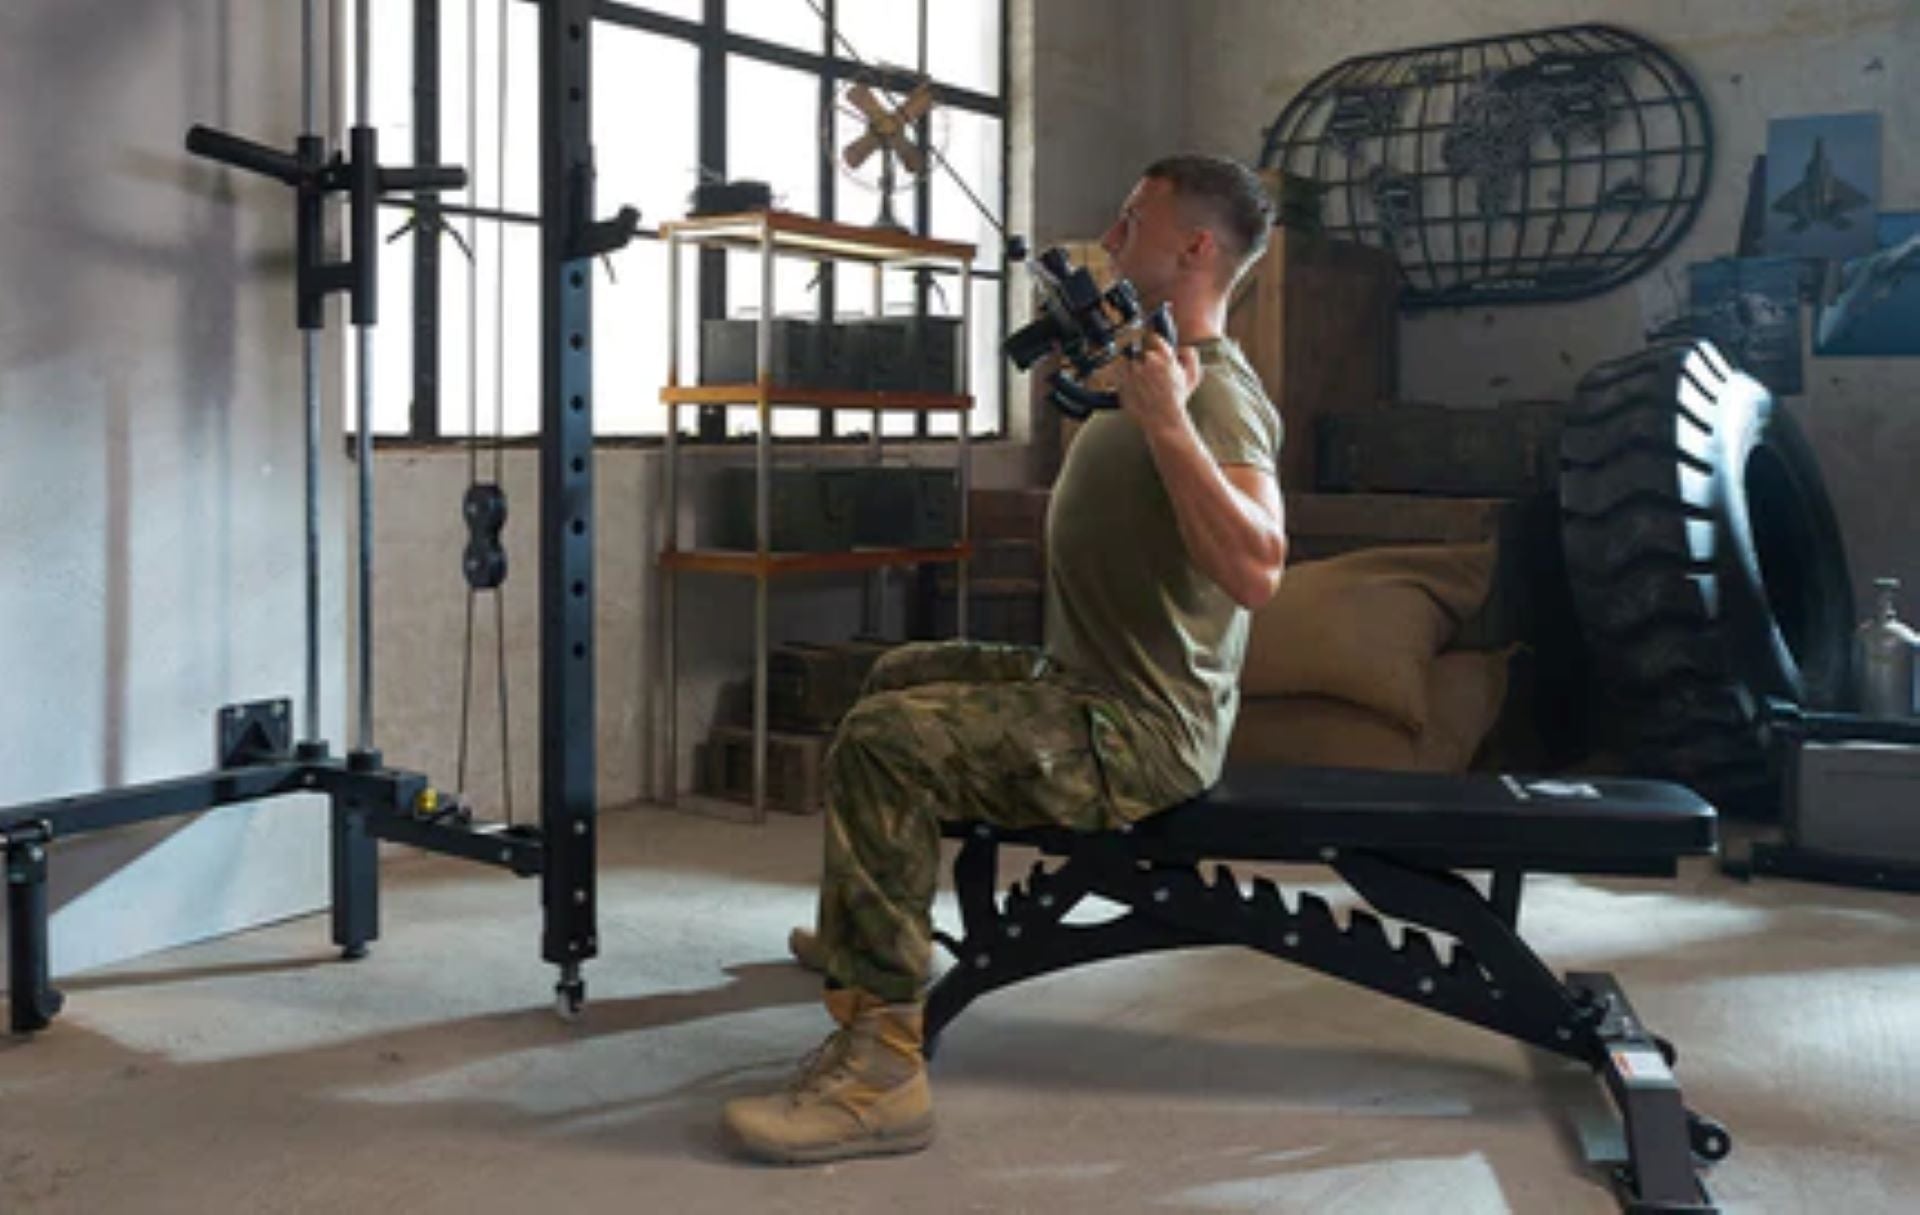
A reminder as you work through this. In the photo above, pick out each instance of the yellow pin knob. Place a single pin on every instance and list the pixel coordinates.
(426, 801)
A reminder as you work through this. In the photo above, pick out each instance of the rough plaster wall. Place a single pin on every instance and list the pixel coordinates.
(151, 444)
(1108, 81)
(1756, 59)
(420, 615)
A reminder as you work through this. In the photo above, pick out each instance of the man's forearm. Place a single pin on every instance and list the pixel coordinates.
(1237, 542)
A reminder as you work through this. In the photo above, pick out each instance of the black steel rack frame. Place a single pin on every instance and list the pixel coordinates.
(257, 756)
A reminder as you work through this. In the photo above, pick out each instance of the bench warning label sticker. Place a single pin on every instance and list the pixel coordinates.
(1527, 791)
(1643, 1065)
(1564, 788)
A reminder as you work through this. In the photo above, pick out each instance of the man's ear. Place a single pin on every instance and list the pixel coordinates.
(1201, 246)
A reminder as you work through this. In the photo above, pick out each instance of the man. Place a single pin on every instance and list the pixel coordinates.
(1165, 529)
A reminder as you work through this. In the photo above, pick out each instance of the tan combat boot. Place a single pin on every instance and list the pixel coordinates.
(862, 1093)
(804, 945)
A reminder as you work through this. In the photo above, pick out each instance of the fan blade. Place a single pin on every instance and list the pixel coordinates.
(862, 97)
(911, 157)
(857, 152)
(917, 103)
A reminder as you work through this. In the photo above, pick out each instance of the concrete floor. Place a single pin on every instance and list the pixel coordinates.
(258, 1074)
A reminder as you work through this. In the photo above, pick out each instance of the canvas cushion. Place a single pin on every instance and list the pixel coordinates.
(1364, 627)
(1465, 691)
(1319, 731)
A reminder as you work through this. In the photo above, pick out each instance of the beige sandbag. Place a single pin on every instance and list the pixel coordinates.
(1464, 694)
(1364, 627)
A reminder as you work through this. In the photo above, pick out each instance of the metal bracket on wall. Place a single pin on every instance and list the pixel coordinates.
(256, 732)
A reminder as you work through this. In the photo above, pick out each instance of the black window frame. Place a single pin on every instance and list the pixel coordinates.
(715, 43)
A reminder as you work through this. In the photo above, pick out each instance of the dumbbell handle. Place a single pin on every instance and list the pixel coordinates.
(1160, 320)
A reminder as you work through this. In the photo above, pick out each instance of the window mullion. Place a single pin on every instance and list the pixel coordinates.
(424, 422)
(712, 419)
(829, 182)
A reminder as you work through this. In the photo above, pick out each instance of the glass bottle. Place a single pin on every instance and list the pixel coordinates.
(1884, 657)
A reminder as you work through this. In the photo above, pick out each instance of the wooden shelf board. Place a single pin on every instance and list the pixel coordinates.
(816, 398)
(794, 233)
(725, 561)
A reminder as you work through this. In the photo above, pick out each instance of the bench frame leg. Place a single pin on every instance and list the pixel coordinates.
(32, 1000)
(1490, 977)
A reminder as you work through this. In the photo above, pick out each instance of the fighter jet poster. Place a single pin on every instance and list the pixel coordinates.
(1873, 305)
(1823, 185)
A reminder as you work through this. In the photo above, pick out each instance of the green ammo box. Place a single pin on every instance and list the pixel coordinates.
(907, 507)
(812, 509)
(799, 354)
(910, 354)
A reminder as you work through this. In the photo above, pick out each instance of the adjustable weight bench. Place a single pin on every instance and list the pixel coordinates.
(1400, 840)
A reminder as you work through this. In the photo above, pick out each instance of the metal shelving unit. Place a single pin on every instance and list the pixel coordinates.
(774, 234)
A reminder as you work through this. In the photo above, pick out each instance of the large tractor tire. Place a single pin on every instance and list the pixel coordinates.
(1706, 568)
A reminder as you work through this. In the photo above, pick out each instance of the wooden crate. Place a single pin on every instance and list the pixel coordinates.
(1323, 525)
(996, 561)
(796, 768)
(1505, 451)
(1008, 514)
(1006, 610)
(1008, 528)
(811, 686)
(1319, 322)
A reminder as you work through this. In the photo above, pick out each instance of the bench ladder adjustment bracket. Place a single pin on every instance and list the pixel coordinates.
(1485, 974)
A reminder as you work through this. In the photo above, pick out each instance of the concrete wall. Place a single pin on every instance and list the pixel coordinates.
(1755, 60)
(1109, 96)
(151, 443)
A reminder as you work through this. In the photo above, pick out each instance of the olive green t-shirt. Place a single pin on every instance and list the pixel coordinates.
(1126, 607)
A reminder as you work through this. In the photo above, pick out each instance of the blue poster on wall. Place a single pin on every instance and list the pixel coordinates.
(1874, 307)
(1750, 309)
(1823, 185)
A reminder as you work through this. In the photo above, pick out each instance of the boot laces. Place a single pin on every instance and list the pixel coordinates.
(823, 1063)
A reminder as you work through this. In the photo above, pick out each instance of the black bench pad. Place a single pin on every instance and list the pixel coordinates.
(1541, 825)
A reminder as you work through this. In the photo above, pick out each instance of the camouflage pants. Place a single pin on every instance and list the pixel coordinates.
(971, 732)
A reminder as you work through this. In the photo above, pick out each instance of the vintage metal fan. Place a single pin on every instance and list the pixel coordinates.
(892, 129)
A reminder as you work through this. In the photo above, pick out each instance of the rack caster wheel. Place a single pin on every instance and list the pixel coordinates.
(352, 953)
(1709, 1139)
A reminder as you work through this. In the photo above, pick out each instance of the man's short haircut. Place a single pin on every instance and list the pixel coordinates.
(1230, 196)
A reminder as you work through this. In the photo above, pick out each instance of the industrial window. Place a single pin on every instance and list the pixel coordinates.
(741, 89)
